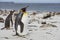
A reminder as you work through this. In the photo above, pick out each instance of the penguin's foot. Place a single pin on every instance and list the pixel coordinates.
(23, 36)
(7, 28)
(16, 34)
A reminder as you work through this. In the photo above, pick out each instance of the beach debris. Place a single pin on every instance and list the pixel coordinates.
(5, 37)
(48, 25)
(43, 23)
(32, 25)
(34, 13)
(48, 33)
(1, 11)
(57, 13)
(30, 39)
(53, 13)
(47, 16)
(53, 25)
(30, 30)
(1, 20)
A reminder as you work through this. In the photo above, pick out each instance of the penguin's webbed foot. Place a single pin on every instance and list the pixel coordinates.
(7, 28)
(16, 34)
(19, 35)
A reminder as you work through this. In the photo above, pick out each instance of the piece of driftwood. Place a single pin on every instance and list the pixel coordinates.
(47, 16)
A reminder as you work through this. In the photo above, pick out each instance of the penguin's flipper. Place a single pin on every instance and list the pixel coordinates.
(21, 27)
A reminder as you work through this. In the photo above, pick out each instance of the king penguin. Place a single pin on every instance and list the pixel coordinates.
(8, 19)
(21, 22)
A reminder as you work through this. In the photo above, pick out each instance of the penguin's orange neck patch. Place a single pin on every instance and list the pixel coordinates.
(25, 14)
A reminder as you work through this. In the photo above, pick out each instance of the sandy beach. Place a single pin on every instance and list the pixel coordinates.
(41, 26)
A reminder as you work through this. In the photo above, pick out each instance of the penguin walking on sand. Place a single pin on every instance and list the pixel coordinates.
(20, 21)
(8, 19)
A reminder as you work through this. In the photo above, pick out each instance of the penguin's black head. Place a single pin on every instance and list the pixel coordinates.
(24, 9)
(12, 11)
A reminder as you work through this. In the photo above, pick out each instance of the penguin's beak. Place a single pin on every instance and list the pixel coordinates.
(26, 6)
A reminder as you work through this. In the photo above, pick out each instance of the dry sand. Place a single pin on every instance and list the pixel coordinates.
(37, 31)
